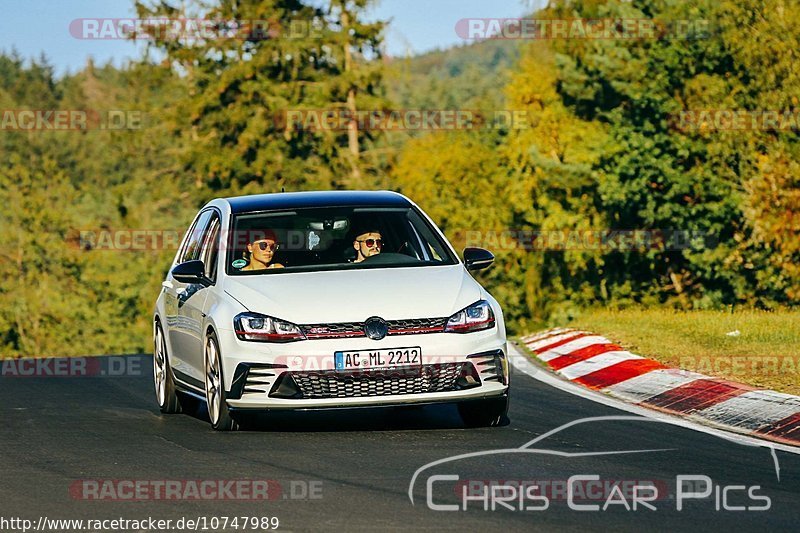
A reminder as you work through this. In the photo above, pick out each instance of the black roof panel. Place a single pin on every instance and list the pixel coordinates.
(298, 200)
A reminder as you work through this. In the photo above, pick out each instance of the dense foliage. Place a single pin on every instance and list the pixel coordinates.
(601, 152)
(607, 151)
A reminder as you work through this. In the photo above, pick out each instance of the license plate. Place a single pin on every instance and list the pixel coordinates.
(375, 359)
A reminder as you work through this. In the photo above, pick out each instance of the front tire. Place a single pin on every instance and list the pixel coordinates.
(491, 412)
(218, 411)
(166, 395)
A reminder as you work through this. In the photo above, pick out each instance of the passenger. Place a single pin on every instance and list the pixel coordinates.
(367, 244)
(261, 252)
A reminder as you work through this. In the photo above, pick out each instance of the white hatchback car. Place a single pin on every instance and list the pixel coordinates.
(319, 300)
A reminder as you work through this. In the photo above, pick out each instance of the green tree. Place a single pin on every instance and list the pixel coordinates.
(312, 59)
(698, 179)
(40, 283)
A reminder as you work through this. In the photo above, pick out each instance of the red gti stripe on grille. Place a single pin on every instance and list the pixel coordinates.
(344, 334)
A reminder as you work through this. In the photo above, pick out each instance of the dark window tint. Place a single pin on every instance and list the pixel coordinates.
(194, 242)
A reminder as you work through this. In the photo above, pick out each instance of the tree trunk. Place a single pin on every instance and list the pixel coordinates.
(352, 125)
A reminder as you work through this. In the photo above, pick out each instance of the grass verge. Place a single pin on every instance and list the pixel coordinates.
(759, 348)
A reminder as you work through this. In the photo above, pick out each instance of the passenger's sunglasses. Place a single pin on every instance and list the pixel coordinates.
(264, 245)
(373, 242)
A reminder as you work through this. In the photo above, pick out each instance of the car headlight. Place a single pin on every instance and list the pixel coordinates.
(476, 317)
(263, 328)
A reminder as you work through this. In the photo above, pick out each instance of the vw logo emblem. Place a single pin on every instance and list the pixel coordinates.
(376, 328)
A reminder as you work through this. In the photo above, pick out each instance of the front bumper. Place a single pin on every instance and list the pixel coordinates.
(302, 375)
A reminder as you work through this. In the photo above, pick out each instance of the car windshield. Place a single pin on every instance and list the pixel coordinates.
(315, 239)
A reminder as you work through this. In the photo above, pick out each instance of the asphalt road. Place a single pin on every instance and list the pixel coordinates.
(357, 465)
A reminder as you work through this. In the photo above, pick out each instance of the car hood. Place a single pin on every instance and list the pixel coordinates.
(355, 295)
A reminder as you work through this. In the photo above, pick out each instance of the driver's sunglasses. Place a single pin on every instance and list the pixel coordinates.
(264, 245)
(373, 242)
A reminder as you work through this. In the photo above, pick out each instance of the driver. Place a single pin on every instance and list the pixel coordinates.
(367, 244)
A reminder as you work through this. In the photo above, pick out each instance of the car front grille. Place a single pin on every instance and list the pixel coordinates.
(342, 330)
(428, 378)
(416, 325)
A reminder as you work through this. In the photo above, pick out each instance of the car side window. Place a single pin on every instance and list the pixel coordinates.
(194, 242)
(210, 250)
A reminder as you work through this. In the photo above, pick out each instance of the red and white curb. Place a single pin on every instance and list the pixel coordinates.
(597, 363)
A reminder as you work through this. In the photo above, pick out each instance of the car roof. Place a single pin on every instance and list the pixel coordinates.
(297, 200)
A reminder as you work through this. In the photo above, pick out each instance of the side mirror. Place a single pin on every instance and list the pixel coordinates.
(191, 272)
(477, 258)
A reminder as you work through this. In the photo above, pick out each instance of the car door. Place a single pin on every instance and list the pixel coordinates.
(184, 315)
(195, 298)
